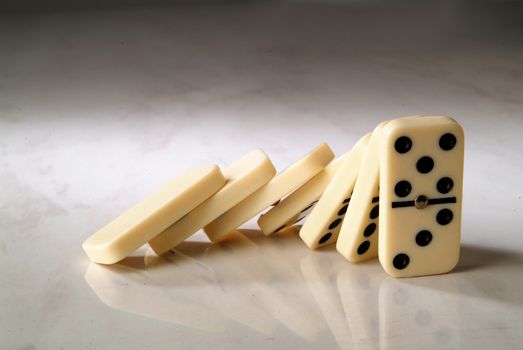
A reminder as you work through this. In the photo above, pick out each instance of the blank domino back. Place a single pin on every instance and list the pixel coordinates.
(154, 214)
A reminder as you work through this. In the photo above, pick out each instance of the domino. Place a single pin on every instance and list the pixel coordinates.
(358, 237)
(281, 185)
(296, 206)
(421, 191)
(324, 222)
(244, 177)
(154, 214)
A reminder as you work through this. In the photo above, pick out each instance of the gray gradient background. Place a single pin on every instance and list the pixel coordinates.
(100, 102)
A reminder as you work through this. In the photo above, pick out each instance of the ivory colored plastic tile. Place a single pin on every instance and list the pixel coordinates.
(244, 176)
(420, 191)
(297, 206)
(324, 222)
(154, 214)
(281, 185)
(358, 237)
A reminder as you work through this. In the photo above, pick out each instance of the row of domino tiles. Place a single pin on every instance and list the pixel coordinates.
(402, 182)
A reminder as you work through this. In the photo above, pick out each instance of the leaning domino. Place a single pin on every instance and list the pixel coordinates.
(324, 222)
(281, 185)
(154, 214)
(296, 206)
(244, 177)
(358, 237)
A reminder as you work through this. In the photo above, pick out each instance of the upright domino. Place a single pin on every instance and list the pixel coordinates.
(421, 192)
(358, 237)
(154, 214)
(324, 222)
(280, 186)
(244, 177)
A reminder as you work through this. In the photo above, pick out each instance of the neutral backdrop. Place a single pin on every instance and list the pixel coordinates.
(99, 106)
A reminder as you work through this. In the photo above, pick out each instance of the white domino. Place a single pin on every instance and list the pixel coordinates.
(324, 222)
(296, 206)
(421, 192)
(358, 237)
(280, 186)
(154, 214)
(244, 177)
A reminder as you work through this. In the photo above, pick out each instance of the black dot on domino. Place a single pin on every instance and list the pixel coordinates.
(403, 144)
(447, 142)
(334, 224)
(401, 261)
(444, 216)
(375, 212)
(403, 188)
(325, 238)
(347, 200)
(425, 165)
(445, 185)
(369, 230)
(362, 249)
(343, 210)
(423, 238)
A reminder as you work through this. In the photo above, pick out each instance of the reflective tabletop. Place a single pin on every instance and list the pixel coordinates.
(266, 288)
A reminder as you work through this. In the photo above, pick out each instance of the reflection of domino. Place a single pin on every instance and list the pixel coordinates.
(358, 238)
(324, 222)
(413, 314)
(154, 214)
(131, 291)
(297, 205)
(420, 191)
(359, 290)
(238, 303)
(320, 271)
(281, 185)
(243, 177)
(282, 294)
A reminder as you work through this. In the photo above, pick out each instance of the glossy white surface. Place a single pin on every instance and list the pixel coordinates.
(97, 109)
